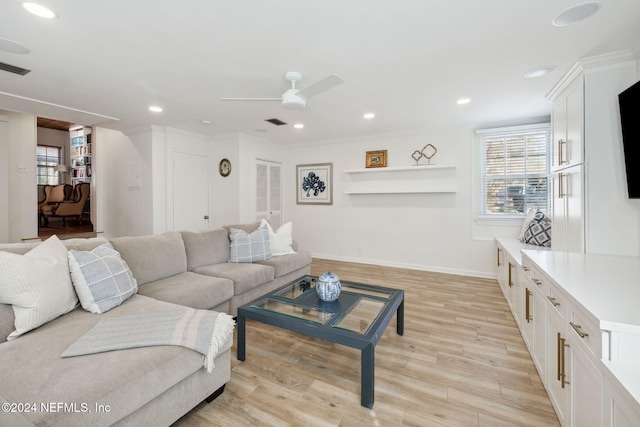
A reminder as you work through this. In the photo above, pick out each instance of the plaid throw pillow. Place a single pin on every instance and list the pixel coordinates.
(539, 231)
(249, 247)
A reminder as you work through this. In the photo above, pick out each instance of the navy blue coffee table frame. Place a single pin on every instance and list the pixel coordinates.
(304, 300)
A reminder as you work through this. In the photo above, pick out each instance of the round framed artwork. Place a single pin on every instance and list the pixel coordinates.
(224, 167)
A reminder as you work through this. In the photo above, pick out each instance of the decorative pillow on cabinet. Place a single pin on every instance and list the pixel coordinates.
(539, 231)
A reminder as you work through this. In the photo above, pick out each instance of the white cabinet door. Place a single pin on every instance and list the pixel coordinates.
(587, 387)
(538, 317)
(559, 366)
(567, 116)
(568, 210)
(559, 131)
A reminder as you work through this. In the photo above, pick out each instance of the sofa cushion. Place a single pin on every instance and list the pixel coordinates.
(18, 248)
(153, 257)
(206, 247)
(80, 244)
(190, 289)
(125, 380)
(281, 240)
(287, 263)
(101, 278)
(37, 285)
(249, 247)
(244, 276)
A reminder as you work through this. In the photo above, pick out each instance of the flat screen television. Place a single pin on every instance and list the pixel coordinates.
(630, 120)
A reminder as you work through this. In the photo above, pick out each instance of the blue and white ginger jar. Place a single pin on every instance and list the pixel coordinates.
(328, 287)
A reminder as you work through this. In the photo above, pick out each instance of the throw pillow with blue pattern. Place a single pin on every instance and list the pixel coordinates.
(539, 231)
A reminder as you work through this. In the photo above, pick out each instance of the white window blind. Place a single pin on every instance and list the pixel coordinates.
(47, 158)
(514, 170)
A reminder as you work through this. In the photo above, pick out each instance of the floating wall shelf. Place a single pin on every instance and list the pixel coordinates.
(406, 183)
(401, 168)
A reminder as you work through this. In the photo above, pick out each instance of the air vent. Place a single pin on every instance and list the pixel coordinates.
(276, 122)
(13, 69)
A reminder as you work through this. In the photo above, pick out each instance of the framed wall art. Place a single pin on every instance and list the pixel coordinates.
(377, 159)
(314, 184)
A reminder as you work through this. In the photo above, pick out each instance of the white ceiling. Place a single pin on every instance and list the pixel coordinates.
(406, 60)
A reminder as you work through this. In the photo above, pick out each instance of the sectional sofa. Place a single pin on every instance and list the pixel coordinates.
(141, 386)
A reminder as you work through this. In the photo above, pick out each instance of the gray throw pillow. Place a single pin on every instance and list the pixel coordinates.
(249, 247)
(102, 279)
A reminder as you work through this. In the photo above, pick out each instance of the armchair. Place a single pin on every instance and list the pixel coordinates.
(70, 208)
(50, 196)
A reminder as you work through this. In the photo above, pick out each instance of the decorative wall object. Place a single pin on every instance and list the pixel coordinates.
(377, 159)
(314, 184)
(224, 167)
(427, 152)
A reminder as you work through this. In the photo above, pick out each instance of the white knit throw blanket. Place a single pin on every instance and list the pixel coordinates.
(204, 331)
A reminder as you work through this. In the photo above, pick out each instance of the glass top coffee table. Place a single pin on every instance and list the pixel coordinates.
(356, 319)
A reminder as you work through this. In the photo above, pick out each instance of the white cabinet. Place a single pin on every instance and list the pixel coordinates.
(587, 159)
(559, 381)
(567, 118)
(620, 406)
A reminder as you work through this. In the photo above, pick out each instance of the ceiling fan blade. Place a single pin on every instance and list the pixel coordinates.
(251, 99)
(321, 86)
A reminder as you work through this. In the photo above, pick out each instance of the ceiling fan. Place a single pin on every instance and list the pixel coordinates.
(296, 99)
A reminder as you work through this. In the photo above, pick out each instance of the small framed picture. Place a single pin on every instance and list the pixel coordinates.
(314, 184)
(377, 159)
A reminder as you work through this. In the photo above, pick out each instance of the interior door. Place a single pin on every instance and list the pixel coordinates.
(190, 191)
(268, 192)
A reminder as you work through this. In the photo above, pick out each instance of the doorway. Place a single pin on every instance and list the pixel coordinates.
(64, 173)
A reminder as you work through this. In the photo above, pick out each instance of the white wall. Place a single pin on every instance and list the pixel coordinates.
(225, 191)
(19, 172)
(4, 177)
(419, 231)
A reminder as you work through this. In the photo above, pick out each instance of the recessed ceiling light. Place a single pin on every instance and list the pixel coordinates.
(206, 121)
(13, 47)
(576, 13)
(298, 126)
(39, 10)
(155, 109)
(463, 101)
(539, 72)
(369, 115)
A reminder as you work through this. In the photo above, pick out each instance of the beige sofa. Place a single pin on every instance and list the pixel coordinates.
(141, 386)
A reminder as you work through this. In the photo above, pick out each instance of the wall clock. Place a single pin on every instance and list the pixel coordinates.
(224, 167)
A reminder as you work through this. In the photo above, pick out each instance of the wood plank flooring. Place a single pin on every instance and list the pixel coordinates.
(461, 362)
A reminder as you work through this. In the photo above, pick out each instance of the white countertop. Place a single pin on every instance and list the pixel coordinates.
(607, 286)
(627, 375)
(514, 246)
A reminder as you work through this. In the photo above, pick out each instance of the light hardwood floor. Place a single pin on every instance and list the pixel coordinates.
(461, 362)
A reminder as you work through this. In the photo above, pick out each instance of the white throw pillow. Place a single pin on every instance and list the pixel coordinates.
(37, 285)
(281, 240)
(101, 277)
(527, 219)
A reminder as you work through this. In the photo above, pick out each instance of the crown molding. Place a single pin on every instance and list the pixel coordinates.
(592, 64)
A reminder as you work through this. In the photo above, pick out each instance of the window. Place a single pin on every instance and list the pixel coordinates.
(47, 158)
(514, 170)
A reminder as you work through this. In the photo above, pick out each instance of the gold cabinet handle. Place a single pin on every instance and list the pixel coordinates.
(564, 373)
(553, 301)
(499, 258)
(561, 194)
(536, 281)
(559, 348)
(525, 268)
(578, 330)
(510, 275)
(561, 144)
(527, 303)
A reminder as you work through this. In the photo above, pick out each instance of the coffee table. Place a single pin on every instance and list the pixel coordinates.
(356, 319)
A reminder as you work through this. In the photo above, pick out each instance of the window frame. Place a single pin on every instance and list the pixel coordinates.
(47, 164)
(481, 212)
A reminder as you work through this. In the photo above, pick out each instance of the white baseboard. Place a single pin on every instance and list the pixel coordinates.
(420, 267)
